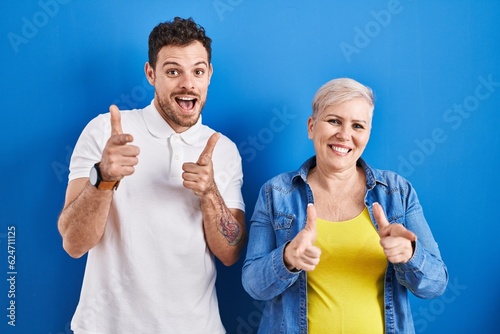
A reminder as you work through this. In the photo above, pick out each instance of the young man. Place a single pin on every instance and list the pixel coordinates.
(153, 195)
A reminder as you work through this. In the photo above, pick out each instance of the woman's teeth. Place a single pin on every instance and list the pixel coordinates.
(340, 149)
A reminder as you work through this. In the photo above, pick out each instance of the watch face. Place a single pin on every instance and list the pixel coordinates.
(93, 176)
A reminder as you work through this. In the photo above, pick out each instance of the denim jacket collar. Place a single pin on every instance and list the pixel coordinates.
(372, 175)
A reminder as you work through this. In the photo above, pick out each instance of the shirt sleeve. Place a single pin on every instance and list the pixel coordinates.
(228, 174)
(89, 147)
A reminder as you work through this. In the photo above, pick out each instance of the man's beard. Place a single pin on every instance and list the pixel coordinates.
(168, 111)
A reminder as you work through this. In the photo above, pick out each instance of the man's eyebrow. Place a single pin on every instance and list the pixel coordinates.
(201, 63)
(168, 63)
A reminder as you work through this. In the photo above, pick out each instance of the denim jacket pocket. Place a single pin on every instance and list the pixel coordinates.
(282, 224)
(282, 220)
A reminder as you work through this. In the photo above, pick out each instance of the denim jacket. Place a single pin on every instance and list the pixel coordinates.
(280, 213)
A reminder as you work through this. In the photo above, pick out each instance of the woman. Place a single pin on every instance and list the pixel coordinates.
(345, 263)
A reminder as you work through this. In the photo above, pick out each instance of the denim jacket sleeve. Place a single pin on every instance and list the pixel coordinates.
(264, 274)
(425, 274)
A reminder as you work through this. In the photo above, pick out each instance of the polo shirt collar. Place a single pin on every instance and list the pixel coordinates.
(159, 128)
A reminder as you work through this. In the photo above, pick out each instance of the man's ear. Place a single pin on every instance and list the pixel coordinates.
(210, 72)
(150, 73)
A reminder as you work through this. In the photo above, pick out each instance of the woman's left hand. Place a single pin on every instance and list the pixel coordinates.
(395, 239)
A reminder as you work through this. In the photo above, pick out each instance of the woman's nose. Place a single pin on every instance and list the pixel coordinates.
(343, 134)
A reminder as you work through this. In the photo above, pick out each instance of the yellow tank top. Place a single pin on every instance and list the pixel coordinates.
(346, 290)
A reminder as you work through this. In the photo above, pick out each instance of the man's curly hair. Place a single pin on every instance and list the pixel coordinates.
(179, 32)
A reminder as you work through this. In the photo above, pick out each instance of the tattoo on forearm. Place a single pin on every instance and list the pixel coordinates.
(228, 226)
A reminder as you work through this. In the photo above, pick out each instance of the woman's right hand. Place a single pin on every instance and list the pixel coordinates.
(300, 253)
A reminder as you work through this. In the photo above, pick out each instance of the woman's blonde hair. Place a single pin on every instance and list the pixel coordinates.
(337, 91)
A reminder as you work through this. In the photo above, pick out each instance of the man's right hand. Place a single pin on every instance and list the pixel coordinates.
(300, 253)
(118, 158)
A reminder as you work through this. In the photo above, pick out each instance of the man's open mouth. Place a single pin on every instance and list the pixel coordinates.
(186, 102)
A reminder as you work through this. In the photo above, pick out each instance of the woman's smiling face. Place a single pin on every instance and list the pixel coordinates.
(340, 134)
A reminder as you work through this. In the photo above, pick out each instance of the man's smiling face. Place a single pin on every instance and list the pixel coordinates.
(181, 80)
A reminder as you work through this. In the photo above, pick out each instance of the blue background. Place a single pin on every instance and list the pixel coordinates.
(433, 66)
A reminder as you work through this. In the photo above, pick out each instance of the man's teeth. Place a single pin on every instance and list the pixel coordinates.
(340, 149)
(186, 102)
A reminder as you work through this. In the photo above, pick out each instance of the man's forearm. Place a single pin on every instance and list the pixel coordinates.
(224, 228)
(83, 220)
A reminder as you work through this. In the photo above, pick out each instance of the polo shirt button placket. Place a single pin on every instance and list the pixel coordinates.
(176, 162)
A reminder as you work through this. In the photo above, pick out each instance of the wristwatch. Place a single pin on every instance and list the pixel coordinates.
(96, 179)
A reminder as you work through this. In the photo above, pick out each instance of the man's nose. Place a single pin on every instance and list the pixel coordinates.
(186, 81)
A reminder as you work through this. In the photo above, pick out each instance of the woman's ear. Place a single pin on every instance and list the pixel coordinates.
(310, 127)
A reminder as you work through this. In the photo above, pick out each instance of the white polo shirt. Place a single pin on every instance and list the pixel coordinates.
(152, 271)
